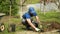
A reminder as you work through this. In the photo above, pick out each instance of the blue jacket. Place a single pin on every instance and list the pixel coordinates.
(30, 13)
(27, 15)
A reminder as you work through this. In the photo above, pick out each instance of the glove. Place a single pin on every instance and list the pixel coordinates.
(37, 29)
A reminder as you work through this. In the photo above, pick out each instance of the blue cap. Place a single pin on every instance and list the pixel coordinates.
(31, 10)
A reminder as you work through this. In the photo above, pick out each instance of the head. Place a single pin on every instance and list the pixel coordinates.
(31, 10)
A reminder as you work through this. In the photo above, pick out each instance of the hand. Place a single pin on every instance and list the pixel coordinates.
(37, 29)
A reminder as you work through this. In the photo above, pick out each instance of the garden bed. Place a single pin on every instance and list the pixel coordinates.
(52, 25)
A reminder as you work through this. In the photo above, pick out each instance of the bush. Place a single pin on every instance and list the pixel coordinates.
(5, 7)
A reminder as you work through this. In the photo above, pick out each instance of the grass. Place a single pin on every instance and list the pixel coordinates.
(6, 31)
(32, 1)
(16, 21)
(28, 1)
(49, 16)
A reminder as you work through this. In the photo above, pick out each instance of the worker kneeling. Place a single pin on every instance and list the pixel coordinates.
(28, 22)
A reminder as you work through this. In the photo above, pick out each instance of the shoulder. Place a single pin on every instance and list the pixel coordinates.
(27, 15)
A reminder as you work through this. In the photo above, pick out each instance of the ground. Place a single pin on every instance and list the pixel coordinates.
(19, 27)
(31, 32)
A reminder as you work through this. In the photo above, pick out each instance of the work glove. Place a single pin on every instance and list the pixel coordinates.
(37, 29)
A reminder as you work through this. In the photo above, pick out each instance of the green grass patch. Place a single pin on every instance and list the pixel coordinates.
(32, 1)
(49, 16)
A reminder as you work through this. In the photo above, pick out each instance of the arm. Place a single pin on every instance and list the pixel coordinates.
(37, 19)
(29, 22)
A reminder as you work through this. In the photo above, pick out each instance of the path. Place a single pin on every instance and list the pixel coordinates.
(31, 32)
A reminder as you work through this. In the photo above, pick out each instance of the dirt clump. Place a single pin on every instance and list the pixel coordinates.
(53, 25)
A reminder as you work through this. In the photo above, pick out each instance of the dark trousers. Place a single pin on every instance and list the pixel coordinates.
(24, 22)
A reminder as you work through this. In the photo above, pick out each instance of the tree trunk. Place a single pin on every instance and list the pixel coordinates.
(59, 4)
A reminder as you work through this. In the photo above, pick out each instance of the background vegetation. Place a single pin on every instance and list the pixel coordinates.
(5, 7)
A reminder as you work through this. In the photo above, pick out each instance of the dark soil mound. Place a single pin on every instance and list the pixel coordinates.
(52, 25)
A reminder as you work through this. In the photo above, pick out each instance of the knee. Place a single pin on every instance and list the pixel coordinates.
(23, 21)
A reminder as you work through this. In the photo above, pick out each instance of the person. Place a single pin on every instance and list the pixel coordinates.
(28, 22)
